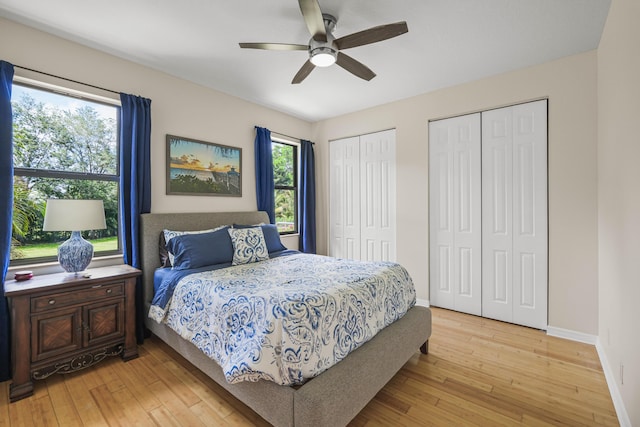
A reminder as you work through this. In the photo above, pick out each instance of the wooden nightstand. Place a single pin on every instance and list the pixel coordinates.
(62, 323)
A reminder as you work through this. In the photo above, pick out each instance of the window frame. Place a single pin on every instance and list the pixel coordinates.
(59, 174)
(296, 182)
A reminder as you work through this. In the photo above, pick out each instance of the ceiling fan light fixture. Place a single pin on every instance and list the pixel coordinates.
(323, 56)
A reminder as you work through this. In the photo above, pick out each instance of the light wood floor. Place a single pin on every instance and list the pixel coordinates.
(477, 372)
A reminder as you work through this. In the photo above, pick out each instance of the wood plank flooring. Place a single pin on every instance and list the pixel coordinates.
(478, 372)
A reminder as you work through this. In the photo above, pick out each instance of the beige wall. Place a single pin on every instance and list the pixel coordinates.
(594, 172)
(186, 109)
(177, 107)
(619, 198)
(594, 105)
(570, 85)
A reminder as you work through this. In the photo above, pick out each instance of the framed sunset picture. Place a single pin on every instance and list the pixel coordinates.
(199, 168)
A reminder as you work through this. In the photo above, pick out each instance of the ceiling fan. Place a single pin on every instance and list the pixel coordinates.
(324, 49)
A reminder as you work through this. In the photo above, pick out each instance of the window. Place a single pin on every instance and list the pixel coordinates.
(64, 147)
(285, 176)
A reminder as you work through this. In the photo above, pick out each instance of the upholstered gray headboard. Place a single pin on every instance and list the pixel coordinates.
(152, 224)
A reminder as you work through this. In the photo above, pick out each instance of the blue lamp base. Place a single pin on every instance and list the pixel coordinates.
(75, 254)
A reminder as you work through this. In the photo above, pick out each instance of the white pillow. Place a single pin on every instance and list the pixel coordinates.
(248, 245)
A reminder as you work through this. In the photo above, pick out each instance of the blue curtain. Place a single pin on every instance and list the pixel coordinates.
(6, 210)
(307, 211)
(265, 185)
(135, 185)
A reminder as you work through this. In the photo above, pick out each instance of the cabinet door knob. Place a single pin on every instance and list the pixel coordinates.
(52, 301)
(109, 291)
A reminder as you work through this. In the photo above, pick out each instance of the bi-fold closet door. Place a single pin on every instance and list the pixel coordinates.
(455, 253)
(488, 214)
(363, 197)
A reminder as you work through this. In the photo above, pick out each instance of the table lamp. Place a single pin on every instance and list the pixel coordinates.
(73, 215)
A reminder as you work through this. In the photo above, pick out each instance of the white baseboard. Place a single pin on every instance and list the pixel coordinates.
(616, 396)
(422, 302)
(572, 335)
(614, 391)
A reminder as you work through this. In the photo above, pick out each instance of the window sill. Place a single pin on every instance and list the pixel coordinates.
(54, 267)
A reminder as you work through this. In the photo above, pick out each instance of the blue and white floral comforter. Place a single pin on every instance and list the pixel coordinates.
(286, 319)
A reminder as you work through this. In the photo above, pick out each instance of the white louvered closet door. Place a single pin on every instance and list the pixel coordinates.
(455, 214)
(514, 214)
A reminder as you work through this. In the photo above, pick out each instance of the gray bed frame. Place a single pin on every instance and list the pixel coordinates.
(331, 399)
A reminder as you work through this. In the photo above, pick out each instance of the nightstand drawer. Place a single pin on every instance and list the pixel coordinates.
(55, 301)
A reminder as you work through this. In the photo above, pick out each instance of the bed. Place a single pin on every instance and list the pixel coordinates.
(332, 398)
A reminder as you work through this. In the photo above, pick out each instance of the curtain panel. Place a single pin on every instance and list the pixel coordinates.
(307, 211)
(265, 185)
(135, 185)
(6, 211)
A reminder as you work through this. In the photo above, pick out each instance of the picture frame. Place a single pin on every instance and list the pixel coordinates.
(201, 168)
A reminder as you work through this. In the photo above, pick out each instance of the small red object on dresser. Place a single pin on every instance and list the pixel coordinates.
(23, 275)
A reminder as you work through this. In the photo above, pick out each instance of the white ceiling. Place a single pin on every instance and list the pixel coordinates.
(449, 42)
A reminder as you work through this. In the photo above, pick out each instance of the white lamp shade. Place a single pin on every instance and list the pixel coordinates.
(74, 215)
(323, 57)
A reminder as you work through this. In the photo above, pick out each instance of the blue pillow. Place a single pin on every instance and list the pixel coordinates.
(271, 236)
(166, 257)
(199, 250)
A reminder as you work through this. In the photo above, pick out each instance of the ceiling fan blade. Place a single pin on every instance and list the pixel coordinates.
(304, 71)
(354, 67)
(313, 18)
(372, 35)
(274, 46)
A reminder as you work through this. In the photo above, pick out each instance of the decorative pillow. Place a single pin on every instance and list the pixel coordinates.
(201, 249)
(166, 258)
(271, 236)
(248, 245)
(163, 252)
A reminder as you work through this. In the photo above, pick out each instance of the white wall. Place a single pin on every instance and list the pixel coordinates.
(619, 199)
(570, 85)
(177, 108)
